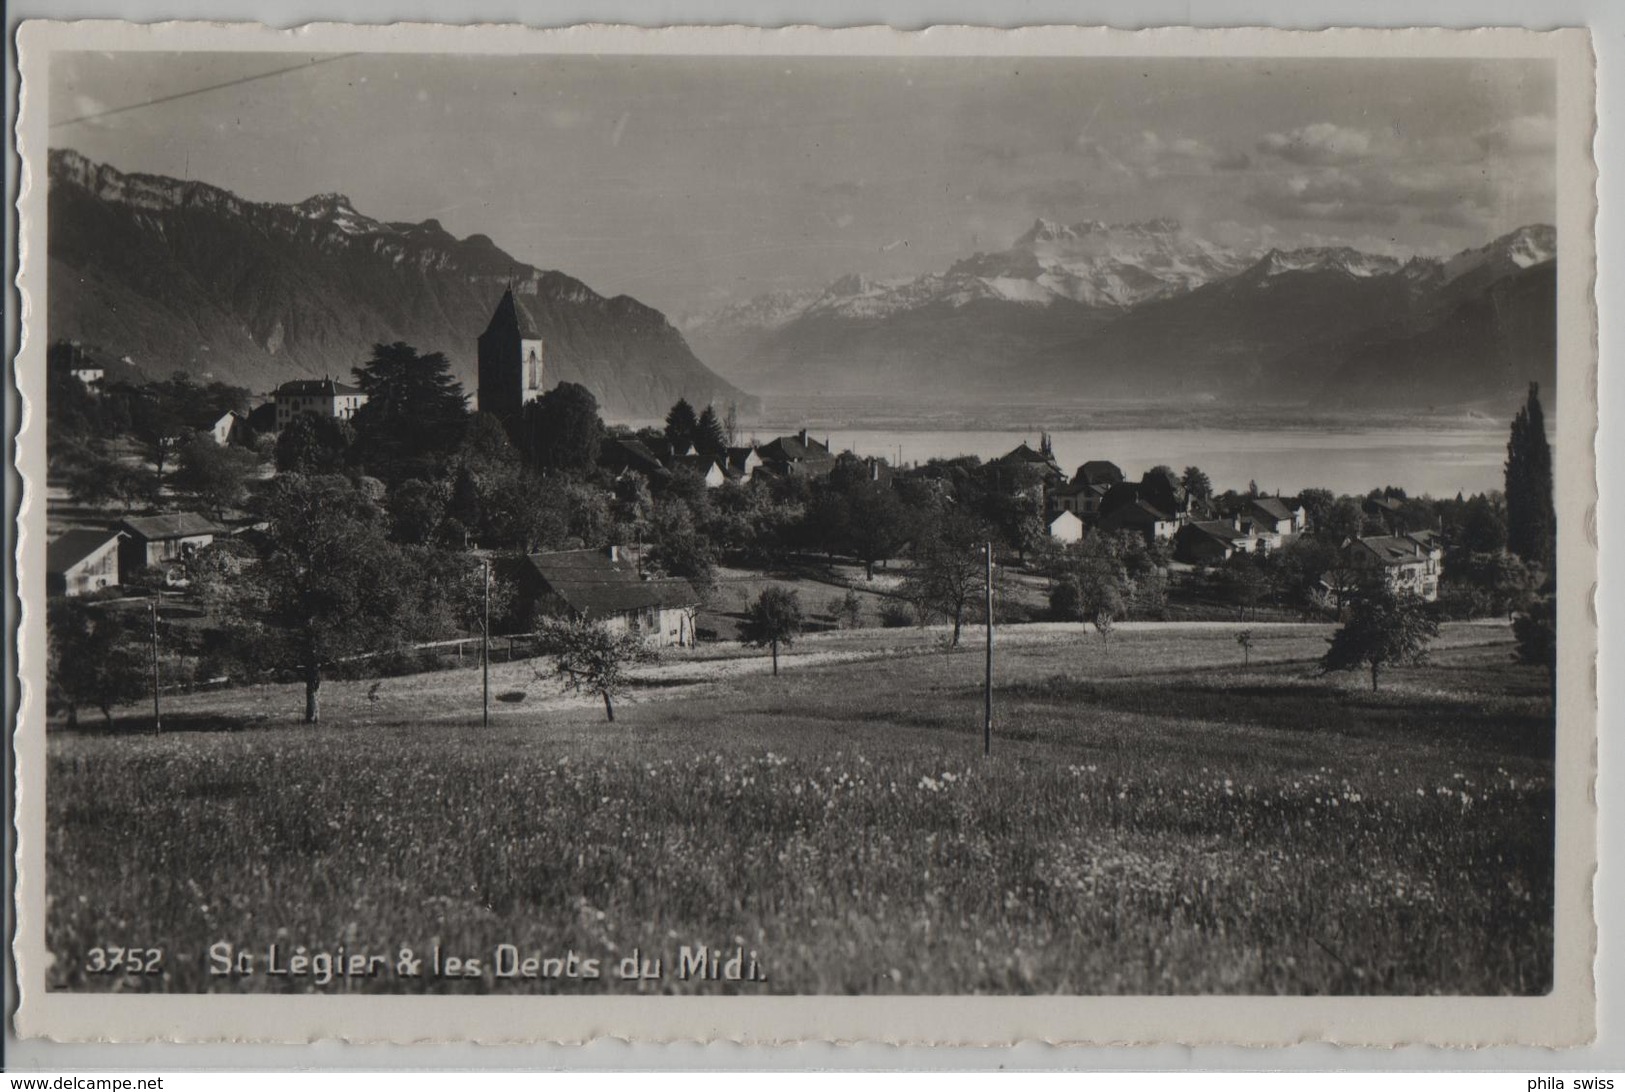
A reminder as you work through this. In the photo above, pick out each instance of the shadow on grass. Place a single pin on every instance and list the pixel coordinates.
(1505, 713)
(131, 725)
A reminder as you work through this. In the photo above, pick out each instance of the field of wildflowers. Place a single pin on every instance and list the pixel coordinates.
(1155, 819)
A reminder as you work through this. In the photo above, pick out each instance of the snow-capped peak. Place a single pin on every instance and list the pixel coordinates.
(1318, 259)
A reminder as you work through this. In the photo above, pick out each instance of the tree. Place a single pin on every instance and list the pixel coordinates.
(589, 658)
(215, 476)
(681, 425)
(1536, 633)
(709, 437)
(416, 511)
(1315, 503)
(94, 658)
(101, 479)
(562, 429)
(950, 570)
(679, 547)
(1383, 629)
(414, 415)
(1196, 483)
(311, 444)
(1342, 521)
(847, 610)
(334, 584)
(773, 619)
(1531, 517)
(877, 523)
(1245, 640)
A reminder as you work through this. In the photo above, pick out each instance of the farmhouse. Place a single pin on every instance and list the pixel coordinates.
(1143, 517)
(162, 541)
(80, 562)
(602, 585)
(1209, 542)
(1406, 563)
(323, 397)
(228, 427)
(511, 359)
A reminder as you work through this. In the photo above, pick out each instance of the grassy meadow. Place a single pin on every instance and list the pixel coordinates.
(1155, 818)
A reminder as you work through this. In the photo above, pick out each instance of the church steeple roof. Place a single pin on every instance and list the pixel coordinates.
(512, 316)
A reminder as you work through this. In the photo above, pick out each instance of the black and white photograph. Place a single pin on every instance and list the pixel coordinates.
(748, 523)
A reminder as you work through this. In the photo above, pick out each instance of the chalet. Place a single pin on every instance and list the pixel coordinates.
(323, 397)
(1281, 516)
(162, 541)
(602, 585)
(1405, 563)
(1066, 527)
(80, 562)
(798, 455)
(85, 363)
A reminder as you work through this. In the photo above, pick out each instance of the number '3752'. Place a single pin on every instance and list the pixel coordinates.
(125, 960)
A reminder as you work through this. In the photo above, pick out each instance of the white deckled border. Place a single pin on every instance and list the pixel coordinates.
(1565, 1017)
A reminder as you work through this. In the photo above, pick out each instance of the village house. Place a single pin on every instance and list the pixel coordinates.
(742, 462)
(619, 454)
(1407, 564)
(799, 455)
(512, 360)
(323, 397)
(162, 541)
(1211, 541)
(603, 585)
(707, 468)
(1142, 517)
(1066, 527)
(230, 427)
(1281, 516)
(84, 363)
(82, 561)
(1084, 493)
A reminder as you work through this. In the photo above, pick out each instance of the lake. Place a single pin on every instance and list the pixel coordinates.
(1439, 458)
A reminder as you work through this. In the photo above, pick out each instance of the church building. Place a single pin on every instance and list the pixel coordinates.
(510, 356)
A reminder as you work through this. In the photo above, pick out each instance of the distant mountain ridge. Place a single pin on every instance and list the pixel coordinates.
(185, 275)
(1151, 311)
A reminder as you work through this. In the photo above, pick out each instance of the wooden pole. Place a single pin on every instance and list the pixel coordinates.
(157, 713)
(987, 686)
(485, 651)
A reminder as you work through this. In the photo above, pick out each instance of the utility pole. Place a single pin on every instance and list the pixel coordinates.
(485, 650)
(987, 686)
(157, 714)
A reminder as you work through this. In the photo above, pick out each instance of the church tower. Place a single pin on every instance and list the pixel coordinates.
(510, 360)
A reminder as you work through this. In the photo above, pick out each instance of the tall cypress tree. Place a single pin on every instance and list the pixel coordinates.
(681, 424)
(709, 439)
(1531, 516)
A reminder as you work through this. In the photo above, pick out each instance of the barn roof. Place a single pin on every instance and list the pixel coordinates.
(593, 583)
(72, 547)
(169, 525)
(1271, 507)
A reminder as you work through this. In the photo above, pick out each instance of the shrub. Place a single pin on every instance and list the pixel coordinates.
(896, 614)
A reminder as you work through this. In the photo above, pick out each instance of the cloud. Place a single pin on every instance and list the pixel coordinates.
(1233, 161)
(1441, 194)
(1322, 144)
(1531, 134)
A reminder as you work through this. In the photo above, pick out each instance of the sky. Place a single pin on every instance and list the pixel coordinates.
(692, 182)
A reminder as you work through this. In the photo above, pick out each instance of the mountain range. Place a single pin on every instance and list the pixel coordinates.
(184, 275)
(1151, 311)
